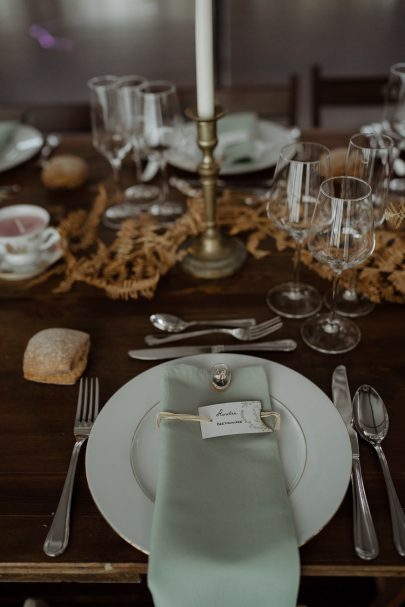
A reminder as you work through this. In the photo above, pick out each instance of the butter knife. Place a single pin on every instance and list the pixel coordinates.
(280, 345)
(365, 537)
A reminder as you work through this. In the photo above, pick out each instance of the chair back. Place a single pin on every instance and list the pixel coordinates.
(278, 102)
(349, 91)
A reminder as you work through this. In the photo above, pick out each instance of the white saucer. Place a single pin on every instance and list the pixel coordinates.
(47, 258)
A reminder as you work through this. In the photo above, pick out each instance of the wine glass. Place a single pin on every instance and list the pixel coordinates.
(341, 236)
(394, 109)
(393, 123)
(369, 157)
(160, 129)
(128, 91)
(110, 136)
(300, 170)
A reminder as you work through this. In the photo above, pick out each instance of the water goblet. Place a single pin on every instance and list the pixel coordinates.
(161, 123)
(341, 236)
(369, 157)
(128, 91)
(110, 136)
(300, 170)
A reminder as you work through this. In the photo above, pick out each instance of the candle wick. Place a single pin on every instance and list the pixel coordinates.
(20, 225)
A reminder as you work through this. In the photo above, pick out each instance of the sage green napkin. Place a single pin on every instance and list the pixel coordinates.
(236, 138)
(222, 532)
(7, 129)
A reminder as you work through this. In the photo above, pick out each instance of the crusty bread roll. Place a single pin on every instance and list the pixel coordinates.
(64, 171)
(56, 356)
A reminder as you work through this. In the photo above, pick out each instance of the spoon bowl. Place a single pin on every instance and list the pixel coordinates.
(371, 420)
(370, 415)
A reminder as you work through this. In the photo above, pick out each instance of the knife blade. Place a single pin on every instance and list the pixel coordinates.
(365, 537)
(280, 345)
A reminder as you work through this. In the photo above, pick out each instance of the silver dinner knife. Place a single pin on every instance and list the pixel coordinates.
(365, 537)
(280, 345)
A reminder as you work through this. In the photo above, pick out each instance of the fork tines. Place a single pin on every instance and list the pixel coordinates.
(88, 399)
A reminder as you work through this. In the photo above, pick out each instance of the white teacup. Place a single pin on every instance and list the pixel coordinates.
(25, 234)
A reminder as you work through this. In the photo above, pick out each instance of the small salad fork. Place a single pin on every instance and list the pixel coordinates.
(241, 333)
(86, 413)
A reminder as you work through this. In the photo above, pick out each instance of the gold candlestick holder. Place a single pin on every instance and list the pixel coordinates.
(212, 255)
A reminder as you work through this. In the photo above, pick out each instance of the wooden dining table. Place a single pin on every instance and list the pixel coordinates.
(36, 428)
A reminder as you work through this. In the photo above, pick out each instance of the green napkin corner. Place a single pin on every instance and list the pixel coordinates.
(7, 129)
(236, 138)
(222, 532)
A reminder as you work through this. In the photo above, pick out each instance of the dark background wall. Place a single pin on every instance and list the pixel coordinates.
(259, 41)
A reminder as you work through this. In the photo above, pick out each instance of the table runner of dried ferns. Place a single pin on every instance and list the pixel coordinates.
(143, 251)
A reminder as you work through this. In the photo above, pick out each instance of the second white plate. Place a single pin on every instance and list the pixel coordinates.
(270, 139)
(123, 448)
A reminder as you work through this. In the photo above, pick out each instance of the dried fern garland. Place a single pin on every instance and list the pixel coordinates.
(144, 251)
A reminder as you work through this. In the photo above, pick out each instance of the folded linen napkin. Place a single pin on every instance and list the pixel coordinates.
(7, 129)
(222, 532)
(236, 138)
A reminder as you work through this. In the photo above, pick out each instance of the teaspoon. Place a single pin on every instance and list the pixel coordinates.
(371, 421)
(175, 324)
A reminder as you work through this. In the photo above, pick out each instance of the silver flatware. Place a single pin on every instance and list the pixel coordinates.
(175, 324)
(52, 141)
(371, 421)
(281, 345)
(365, 537)
(13, 188)
(241, 333)
(86, 413)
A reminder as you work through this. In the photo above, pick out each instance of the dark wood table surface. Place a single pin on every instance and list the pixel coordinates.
(37, 419)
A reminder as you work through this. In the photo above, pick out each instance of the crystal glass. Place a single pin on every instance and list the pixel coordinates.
(128, 87)
(369, 157)
(300, 170)
(110, 136)
(342, 237)
(394, 110)
(393, 123)
(161, 127)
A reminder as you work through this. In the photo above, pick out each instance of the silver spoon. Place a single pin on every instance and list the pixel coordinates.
(175, 324)
(371, 421)
(52, 141)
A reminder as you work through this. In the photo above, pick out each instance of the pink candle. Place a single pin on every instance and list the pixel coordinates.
(204, 58)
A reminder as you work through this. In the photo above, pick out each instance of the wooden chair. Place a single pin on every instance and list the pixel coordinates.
(353, 91)
(51, 117)
(278, 102)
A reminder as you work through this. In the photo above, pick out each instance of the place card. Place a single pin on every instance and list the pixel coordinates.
(240, 417)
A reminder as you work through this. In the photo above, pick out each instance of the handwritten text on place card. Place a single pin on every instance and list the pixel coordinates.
(241, 417)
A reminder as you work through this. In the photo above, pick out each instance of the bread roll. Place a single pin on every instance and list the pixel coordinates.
(56, 356)
(64, 172)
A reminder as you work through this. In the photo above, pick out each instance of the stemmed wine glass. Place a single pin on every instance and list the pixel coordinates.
(110, 136)
(369, 157)
(160, 129)
(394, 109)
(300, 170)
(341, 236)
(128, 87)
(393, 123)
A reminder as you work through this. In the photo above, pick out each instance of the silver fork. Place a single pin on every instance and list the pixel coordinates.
(241, 333)
(86, 413)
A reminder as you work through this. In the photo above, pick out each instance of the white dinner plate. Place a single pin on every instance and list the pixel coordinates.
(122, 451)
(270, 139)
(24, 143)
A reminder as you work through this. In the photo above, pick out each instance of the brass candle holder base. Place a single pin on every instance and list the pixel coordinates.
(212, 255)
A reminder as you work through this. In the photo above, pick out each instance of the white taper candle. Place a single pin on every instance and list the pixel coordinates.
(204, 58)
